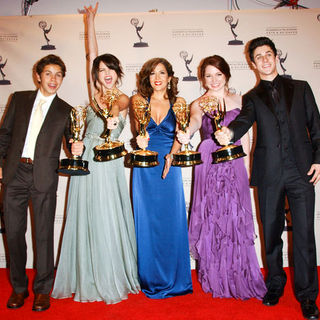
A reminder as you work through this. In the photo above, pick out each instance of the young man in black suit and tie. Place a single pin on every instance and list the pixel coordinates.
(286, 162)
(30, 142)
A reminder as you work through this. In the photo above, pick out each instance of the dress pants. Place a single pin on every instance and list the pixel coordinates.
(17, 194)
(301, 199)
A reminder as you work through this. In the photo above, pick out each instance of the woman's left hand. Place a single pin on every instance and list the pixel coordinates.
(112, 123)
(167, 165)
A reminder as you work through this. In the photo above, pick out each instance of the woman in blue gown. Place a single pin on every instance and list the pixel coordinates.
(158, 196)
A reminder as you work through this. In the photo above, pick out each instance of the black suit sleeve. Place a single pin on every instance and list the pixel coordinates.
(67, 133)
(313, 122)
(242, 123)
(6, 129)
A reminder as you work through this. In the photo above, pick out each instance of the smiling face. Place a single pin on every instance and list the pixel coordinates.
(214, 79)
(50, 79)
(107, 77)
(265, 62)
(159, 78)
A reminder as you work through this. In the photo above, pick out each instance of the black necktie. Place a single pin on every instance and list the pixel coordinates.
(275, 93)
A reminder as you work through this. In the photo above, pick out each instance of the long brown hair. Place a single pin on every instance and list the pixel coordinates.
(143, 79)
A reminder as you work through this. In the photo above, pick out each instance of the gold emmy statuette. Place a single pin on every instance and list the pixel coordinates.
(187, 157)
(213, 108)
(143, 158)
(75, 166)
(109, 150)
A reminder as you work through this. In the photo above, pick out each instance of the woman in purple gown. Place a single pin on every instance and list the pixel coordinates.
(221, 231)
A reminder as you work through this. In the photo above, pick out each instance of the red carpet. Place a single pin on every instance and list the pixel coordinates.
(194, 306)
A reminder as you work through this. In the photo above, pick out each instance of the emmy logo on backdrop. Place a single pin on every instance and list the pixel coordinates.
(212, 107)
(109, 150)
(187, 157)
(235, 42)
(143, 157)
(75, 166)
(2, 65)
(43, 25)
(140, 44)
(282, 60)
(184, 56)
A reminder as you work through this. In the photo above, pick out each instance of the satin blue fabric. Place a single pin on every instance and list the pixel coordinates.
(161, 221)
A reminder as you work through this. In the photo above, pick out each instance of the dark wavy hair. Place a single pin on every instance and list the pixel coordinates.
(259, 42)
(50, 59)
(143, 79)
(111, 62)
(216, 61)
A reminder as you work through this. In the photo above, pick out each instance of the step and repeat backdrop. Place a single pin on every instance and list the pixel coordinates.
(183, 38)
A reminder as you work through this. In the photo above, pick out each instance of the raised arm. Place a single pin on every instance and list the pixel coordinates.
(92, 45)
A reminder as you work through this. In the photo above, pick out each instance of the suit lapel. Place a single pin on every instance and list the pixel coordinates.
(56, 110)
(27, 110)
(29, 105)
(288, 93)
(263, 95)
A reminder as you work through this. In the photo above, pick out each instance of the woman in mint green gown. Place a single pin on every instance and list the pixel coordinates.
(98, 260)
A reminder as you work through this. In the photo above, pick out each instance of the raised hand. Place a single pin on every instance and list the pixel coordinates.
(90, 11)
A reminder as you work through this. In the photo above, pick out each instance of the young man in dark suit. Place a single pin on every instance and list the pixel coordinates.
(286, 162)
(30, 142)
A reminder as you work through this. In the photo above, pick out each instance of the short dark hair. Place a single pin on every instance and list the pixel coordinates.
(215, 61)
(50, 59)
(259, 42)
(111, 62)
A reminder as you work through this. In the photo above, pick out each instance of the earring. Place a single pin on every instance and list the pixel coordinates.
(169, 85)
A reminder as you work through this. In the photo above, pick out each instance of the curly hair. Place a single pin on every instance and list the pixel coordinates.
(143, 79)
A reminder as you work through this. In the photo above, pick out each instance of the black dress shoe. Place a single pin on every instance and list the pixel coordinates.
(41, 302)
(16, 300)
(272, 297)
(309, 309)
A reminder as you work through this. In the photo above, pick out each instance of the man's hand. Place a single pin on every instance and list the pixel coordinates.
(76, 147)
(223, 136)
(315, 172)
(142, 141)
(183, 137)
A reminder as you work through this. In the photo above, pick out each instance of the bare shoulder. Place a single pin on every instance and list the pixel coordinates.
(233, 101)
(124, 98)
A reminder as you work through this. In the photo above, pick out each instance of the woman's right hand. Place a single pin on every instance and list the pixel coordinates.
(90, 11)
(142, 141)
(183, 137)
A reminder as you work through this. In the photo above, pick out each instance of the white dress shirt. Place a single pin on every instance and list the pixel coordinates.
(45, 108)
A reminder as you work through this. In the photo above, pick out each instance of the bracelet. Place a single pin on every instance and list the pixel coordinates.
(170, 156)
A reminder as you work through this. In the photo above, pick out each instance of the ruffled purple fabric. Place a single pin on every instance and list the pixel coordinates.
(221, 232)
